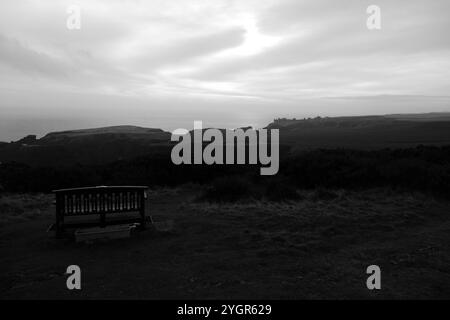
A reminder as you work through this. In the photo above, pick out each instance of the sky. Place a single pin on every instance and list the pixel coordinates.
(164, 64)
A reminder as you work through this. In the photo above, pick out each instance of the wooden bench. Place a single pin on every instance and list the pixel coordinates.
(103, 201)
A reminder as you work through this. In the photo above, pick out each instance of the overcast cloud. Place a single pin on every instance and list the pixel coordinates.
(229, 63)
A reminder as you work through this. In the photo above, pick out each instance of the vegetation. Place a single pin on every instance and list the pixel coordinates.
(255, 249)
(424, 168)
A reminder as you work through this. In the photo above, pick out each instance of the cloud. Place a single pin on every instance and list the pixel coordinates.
(271, 53)
(330, 31)
(31, 62)
(185, 49)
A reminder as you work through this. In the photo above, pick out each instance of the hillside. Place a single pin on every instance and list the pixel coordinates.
(88, 146)
(367, 132)
(130, 132)
(109, 144)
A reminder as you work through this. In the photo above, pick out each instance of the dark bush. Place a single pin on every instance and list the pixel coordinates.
(324, 194)
(281, 189)
(228, 189)
(424, 168)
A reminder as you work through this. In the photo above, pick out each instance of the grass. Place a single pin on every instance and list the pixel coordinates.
(22, 207)
(317, 246)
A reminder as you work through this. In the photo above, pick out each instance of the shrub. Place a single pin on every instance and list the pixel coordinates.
(228, 189)
(324, 194)
(281, 189)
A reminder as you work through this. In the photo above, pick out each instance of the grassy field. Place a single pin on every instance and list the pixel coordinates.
(317, 247)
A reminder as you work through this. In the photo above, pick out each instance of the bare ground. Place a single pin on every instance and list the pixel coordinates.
(314, 248)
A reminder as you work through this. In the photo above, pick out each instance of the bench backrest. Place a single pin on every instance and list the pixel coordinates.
(100, 200)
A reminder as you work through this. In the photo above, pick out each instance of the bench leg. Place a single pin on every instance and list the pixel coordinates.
(57, 231)
(59, 226)
(102, 220)
(143, 221)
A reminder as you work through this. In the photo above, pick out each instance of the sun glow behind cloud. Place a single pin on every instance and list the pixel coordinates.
(254, 41)
(142, 47)
(274, 54)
